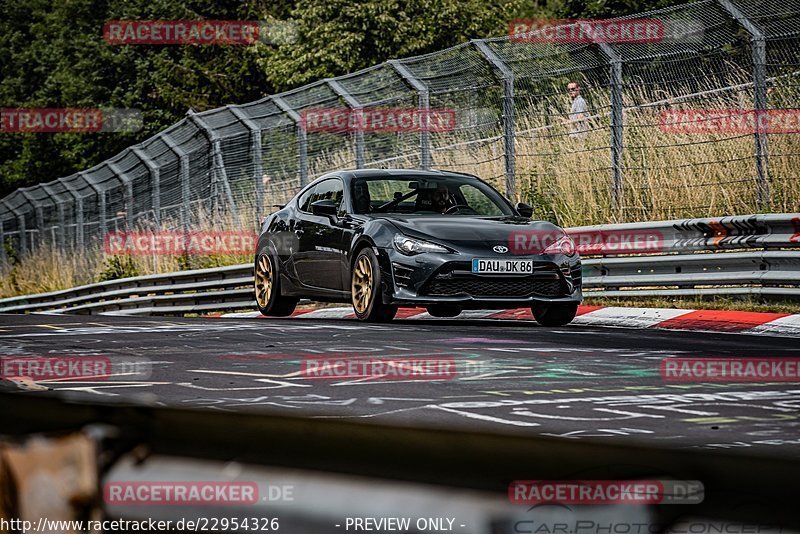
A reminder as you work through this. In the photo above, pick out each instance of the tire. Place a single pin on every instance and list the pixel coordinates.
(365, 289)
(267, 288)
(554, 314)
(443, 310)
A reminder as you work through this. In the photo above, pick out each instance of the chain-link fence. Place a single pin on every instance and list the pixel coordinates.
(513, 128)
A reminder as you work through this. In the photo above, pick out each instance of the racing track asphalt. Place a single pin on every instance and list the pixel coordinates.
(575, 381)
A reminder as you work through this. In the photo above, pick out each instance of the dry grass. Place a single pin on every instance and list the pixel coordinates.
(666, 175)
(49, 269)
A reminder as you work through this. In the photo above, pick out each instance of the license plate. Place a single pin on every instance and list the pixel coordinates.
(502, 266)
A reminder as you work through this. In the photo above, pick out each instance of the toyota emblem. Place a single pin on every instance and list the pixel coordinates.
(500, 249)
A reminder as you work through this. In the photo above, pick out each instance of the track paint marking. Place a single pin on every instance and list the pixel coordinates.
(195, 386)
(380, 400)
(679, 410)
(481, 417)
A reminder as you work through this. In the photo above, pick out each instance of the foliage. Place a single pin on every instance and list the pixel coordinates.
(116, 267)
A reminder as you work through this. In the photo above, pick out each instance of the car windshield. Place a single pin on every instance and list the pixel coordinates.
(439, 195)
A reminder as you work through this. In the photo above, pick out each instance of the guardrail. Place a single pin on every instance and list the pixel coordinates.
(195, 291)
(755, 255)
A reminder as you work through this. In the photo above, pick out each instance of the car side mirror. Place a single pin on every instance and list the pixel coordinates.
(327, 208)
(524, 210)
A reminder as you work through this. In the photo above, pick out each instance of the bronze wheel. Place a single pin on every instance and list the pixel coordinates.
(365, 289)
(363, 283)
(263, 280)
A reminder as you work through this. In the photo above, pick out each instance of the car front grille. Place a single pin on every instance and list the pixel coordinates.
(507, 286)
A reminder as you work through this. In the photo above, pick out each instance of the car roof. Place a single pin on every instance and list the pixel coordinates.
(389, 173)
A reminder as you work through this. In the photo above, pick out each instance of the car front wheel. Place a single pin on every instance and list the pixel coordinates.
(365, 289)
(555, 314)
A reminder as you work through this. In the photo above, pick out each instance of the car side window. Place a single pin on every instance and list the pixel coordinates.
(328, 190)
(304, 202)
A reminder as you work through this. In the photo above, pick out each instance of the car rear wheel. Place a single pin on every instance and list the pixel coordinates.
(441, 310)
(267, 288)
(365, 289)
(554, 314)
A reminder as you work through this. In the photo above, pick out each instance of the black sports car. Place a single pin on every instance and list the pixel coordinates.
(384, 239)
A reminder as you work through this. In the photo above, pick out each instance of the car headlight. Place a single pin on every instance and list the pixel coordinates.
(410, 246)
(565, 246)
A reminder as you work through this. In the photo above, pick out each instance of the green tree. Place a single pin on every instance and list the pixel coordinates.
(52, 55)
(341, 36)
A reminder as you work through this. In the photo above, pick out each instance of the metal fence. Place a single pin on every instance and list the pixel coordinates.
(227, 166)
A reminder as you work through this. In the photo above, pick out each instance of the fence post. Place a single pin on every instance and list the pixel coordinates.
(508, 113)
(37, 211)
(127, 183)
(101, 206)
(758, 45)
(220, 174)
(302, 139)
(79, 209)
(424, 105)
(20, 224)
(183, 172)
(617, 146)
(355, 105)
(155, 179)
(257, 155)
(62, 239)
(3, 257)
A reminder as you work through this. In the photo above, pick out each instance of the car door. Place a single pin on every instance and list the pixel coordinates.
(320, 251)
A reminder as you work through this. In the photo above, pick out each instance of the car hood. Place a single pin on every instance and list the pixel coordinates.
(475, 231)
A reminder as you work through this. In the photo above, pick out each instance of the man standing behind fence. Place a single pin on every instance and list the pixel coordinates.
(578, 113)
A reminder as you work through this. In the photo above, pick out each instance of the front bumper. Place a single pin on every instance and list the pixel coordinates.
(430, 278)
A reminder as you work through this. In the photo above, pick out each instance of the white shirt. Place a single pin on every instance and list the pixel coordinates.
(577, 115)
